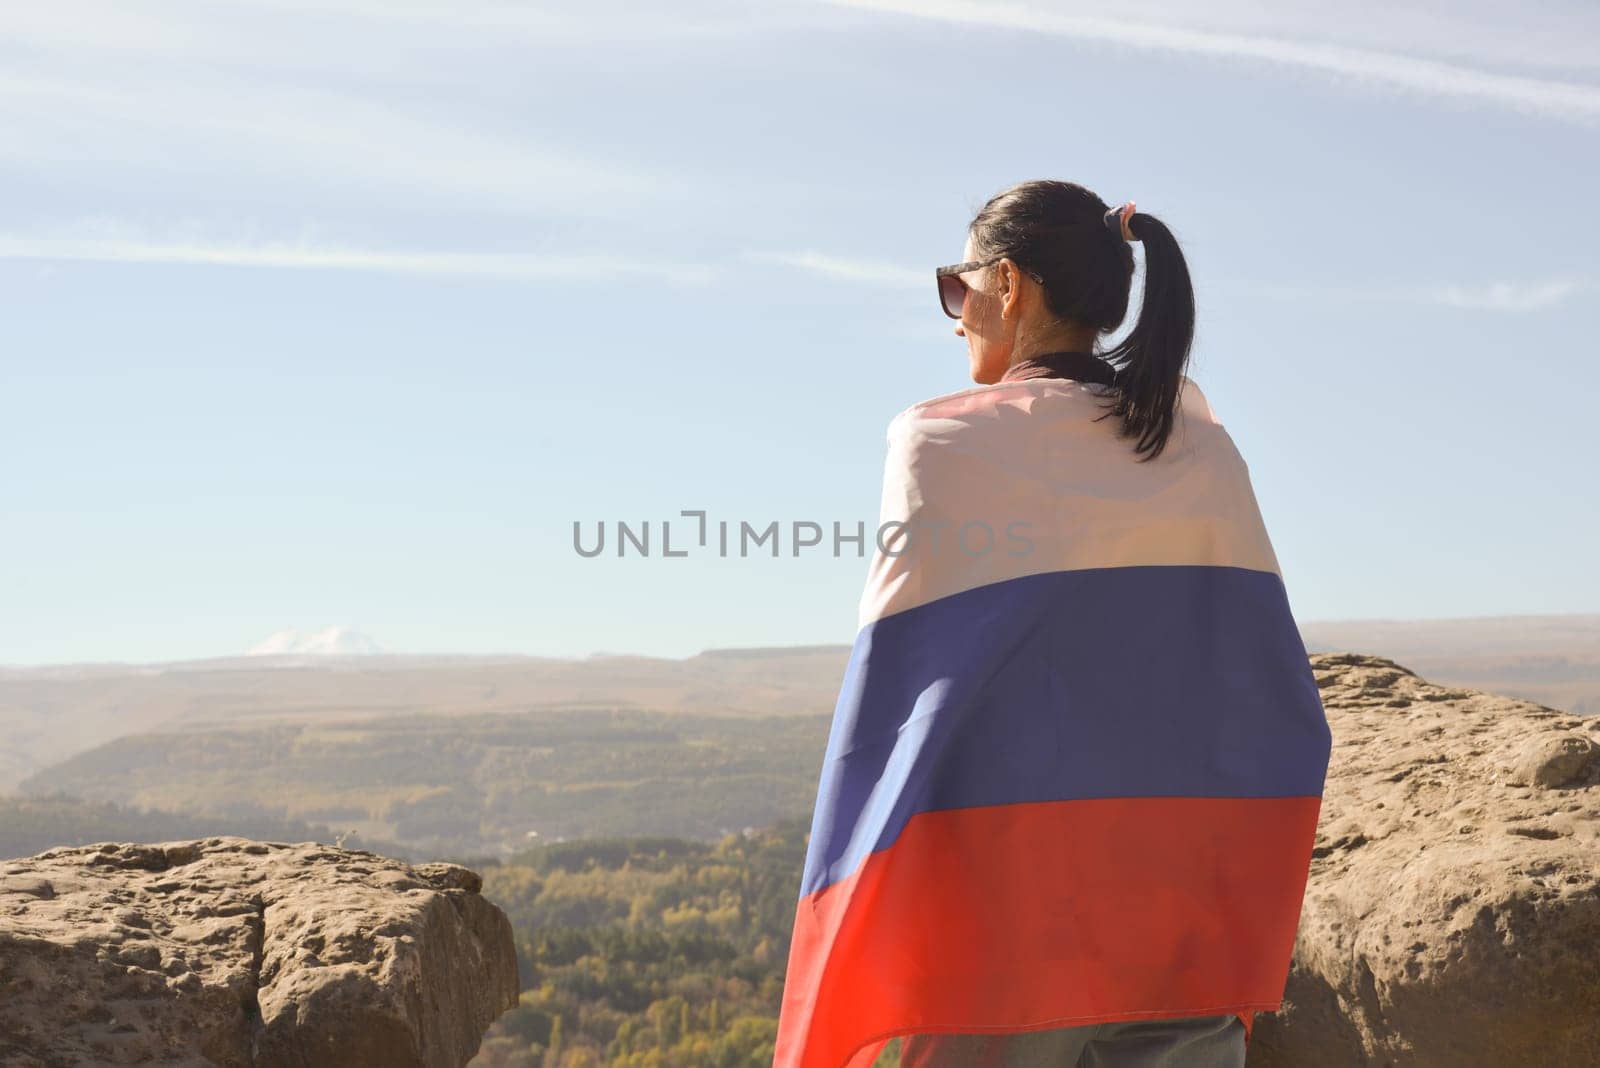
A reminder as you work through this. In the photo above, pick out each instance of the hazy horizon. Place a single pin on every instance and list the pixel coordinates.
(380, 650)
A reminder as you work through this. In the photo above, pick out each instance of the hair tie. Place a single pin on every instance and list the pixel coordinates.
(1116, 221)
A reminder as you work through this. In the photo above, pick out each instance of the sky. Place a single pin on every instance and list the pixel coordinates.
(343, 313)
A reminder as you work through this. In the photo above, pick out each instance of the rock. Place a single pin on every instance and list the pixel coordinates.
(229, 952)
(1452, 913)
(1554, 760)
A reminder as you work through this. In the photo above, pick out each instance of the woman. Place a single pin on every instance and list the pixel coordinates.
(1072, 783)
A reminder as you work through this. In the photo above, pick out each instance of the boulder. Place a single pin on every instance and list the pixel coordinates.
(1452, 914)
(230, 952)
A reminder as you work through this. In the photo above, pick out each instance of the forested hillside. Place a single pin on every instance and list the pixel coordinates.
(648, 952)
(480, 784)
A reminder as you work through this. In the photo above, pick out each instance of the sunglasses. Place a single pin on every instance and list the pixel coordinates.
(953, 288)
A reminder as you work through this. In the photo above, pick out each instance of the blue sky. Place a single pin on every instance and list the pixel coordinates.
(343, 312)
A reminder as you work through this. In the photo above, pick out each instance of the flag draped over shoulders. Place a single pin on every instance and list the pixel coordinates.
(1077, 758)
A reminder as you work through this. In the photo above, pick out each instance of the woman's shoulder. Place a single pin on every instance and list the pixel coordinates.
(962, 404)
(964, 399)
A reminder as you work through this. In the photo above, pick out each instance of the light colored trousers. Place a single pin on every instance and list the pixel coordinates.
(1188, 1042)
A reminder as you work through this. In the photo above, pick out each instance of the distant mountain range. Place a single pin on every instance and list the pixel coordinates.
(48, 714)
(1554, 660)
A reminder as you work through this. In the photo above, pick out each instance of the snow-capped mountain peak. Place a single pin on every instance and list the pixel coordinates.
(330, 641)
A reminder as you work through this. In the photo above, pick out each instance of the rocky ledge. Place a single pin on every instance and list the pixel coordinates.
(230, 952)
(1452, 914)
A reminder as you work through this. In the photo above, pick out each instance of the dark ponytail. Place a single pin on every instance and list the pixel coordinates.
(1058, 230)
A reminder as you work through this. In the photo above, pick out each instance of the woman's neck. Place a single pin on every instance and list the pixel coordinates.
(1080, 365)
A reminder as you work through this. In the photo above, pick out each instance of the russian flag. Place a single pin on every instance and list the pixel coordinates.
(1073, 778)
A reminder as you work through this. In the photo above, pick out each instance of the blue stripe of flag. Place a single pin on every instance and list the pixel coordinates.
(1139, 681)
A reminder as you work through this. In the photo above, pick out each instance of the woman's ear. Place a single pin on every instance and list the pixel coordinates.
(1005, 277)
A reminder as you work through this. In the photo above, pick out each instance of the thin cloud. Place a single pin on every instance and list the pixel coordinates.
(294, 132)
(244, 31)
(489, 265)
(1513, 296)
(586, 22)
(1503, 296)
(886, 274)
(1554, 99)
(1476, 34)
